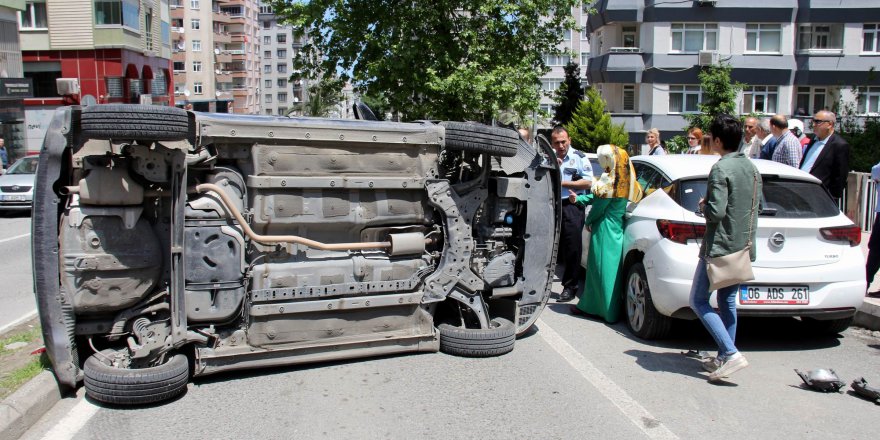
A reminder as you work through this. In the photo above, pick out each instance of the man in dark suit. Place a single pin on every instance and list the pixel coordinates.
(827, 155)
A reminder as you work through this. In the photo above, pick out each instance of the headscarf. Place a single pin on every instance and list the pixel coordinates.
(618, 179)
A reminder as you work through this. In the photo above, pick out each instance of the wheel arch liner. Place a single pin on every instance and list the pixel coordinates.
(54, 306)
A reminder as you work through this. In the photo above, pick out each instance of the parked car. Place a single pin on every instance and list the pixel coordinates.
(169, 238)
(17, 185)
(809, 263)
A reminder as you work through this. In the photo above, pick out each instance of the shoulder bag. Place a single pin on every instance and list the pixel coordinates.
(735, 268)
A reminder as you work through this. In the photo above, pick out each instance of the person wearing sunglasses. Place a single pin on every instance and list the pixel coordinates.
(827, 155)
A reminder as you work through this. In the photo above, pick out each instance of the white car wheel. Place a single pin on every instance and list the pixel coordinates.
(642, 318)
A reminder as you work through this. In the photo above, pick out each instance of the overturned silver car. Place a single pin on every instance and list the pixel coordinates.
(169, 243)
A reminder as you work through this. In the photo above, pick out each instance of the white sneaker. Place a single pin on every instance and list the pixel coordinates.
(711, 364)
(729, 366)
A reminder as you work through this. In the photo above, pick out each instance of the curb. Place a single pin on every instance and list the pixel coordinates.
(868, 315)
(23, 408)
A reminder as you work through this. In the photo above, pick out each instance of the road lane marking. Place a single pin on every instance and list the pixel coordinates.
(14, 238)
(75, 419)
(636, 413)
(18, 321)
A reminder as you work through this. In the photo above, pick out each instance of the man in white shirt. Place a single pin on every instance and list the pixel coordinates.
(827, 155)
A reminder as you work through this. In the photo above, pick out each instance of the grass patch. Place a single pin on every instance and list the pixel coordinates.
(16, 378)
(28, 336)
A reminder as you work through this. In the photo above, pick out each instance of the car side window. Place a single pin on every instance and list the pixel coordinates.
(650, 178)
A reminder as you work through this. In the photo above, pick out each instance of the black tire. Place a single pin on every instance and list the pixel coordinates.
(135, 122)
(642, 317)
(478, 138)
(469, 342)
(120, 386)
(828, 327)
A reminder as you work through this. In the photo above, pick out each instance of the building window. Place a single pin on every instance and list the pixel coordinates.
(760, 99)
(267, 24)
(585, 57)
(33, 16)
(282, 82)
(197, 88)
(684, 99)
(117, 12)
(281, 38)
(267, 54)
(693, 37)
(810, 100)
(267, 39)
(282, 68)
(282, 97)
(195, 24)
(197, 66)
(556, 60)
(282, 111)
(764, 38)
(179, 66)
(820, 37)
(566, 35)
(282, 53)
(267, 84)
(629, 98)
(197, 45)
(869, 100)
(628, 36)
(546, 108)
(871, 38)
(550, 85)
(265, 9)
(267, 68)
(585, 34)
(194, 4)
(268, 98)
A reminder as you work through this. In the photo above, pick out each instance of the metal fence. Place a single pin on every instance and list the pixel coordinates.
(859, 200)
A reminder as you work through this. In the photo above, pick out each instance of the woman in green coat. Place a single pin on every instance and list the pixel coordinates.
(609, 198)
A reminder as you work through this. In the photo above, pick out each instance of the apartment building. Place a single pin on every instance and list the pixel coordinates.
(13, 86)
(576, 47)
(102, 50)
(794, 56)
(279, 46)
(216, 55)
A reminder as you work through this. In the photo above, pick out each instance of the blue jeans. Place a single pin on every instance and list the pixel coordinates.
(721, 325)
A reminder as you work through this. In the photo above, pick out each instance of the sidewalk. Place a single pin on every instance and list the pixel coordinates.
(868, 315)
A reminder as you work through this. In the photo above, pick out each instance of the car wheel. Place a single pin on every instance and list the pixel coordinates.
(131, 122)
(128, 386)
(478, 138)
(469, 342)
(828, 327)
(642, 318)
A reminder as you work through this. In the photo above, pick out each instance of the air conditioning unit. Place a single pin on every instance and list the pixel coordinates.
(67, 86)
(707, 58)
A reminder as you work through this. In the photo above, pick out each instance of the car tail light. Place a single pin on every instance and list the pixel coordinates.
(681, 232)
(852, 234)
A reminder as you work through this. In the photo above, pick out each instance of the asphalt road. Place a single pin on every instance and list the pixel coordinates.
(570, 378)
(17, 294)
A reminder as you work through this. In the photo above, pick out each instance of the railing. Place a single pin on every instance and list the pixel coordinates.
(624, 50)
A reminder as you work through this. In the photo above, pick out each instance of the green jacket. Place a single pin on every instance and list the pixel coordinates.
(729, 204)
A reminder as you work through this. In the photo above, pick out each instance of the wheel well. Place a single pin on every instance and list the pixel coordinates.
(634, 256)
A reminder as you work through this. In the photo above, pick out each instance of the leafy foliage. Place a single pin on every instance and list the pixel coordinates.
(864, 153)
(320, 103)
(718, 96)
(676, 145)
(591, 125)
(569, 94)
(446, 59)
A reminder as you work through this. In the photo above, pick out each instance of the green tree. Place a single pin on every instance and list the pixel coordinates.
(591, 125)
(569, 94)
(446, 59)
(719, 93)
(320, 102)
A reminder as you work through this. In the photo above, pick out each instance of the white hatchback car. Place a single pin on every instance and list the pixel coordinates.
(809, 263)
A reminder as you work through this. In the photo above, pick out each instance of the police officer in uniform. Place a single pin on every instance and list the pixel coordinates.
(577, 176)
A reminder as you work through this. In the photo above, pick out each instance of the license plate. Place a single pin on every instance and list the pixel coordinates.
(14, 198)
(774, 295)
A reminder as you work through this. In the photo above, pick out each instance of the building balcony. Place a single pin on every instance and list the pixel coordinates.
(617, 67)
(223, 77)
(223, 57)
(222, 37)
(239, 37)
(221, 17)
(239, 73)
(240, 92)
(177, 12)
(179, 56)
(239, 55)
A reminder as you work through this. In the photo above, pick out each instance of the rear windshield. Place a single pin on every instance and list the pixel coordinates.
(781, 198)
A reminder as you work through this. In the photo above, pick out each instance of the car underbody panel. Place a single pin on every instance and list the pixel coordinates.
(247, 241)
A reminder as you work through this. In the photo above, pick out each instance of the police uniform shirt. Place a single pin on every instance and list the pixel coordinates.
(575, 164)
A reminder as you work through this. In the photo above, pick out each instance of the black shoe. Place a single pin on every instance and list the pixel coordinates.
(566, 296)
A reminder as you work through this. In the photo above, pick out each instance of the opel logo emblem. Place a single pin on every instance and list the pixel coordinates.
(777, 239)
(15, 187)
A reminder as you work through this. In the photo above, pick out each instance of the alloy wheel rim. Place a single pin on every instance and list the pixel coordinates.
(635, 301)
